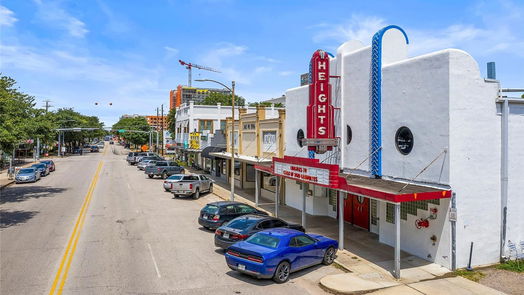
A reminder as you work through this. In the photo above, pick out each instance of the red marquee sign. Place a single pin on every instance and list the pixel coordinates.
(320, 123)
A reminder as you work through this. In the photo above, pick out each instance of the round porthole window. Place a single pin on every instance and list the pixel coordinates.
(349, 134)
(300, 136)
(404, 140)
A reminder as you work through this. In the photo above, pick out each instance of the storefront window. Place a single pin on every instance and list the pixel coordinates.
(238, 167)
(205, 125)
(250, 173)
(268, 182)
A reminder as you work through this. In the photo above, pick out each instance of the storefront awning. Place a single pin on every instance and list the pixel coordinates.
(389, 190)
(243, 158)
(211, 149)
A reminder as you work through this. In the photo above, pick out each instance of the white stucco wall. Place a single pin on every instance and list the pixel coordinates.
(515, 219)
(474, 160)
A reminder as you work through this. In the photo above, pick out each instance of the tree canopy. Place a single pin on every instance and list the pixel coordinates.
(171, 121)
(21, 120)
(224, 99)
(130, 124)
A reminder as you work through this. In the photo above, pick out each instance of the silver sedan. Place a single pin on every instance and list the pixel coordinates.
(144, 163)
(168, 183)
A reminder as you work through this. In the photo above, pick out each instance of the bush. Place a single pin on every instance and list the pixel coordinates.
(512, 265)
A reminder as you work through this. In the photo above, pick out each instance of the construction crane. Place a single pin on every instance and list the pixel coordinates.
(189, 66)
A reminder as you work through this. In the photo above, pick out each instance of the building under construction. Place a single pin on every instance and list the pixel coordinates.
(184, 94)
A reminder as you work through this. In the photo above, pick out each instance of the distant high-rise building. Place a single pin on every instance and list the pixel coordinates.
(184, 94)
(157, 121)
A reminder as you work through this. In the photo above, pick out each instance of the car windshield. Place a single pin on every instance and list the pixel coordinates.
(161, 164)
(175, 177)
(27, 170)
(38, 165)
(210, 209)
(264, 240)
(241, 223)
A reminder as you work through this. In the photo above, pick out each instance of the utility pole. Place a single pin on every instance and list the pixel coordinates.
(162, 128)
(232, 197)
(47, 105)
(156, 127)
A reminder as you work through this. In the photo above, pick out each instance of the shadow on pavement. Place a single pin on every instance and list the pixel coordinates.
(10, 218)
(265, 282)
(23, 192)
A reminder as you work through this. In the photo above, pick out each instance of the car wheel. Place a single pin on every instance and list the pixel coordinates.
(164, 175)
(196, 195)
(282, 272)
(150, 175)
(210, 188)
(175, 196)
(166, 189)
(329, 256)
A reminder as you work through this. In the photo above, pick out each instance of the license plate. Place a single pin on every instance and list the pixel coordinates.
(226, 236)
(205, 216)
(241, 267)
(179, 192)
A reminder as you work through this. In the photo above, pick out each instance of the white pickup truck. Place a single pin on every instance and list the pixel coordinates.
(192, 185)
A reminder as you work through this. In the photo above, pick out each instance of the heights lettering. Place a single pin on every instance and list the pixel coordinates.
(320, 112)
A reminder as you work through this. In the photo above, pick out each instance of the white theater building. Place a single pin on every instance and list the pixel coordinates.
(447, 136)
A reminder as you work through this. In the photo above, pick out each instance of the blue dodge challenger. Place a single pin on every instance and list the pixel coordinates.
(277, 252)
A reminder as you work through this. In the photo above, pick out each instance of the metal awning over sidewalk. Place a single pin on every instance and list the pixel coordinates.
(389, 190)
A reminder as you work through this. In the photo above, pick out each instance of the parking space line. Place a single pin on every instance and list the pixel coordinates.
(154, 260)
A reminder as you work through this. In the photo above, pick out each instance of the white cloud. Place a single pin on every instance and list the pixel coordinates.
(263, 69)
(170, 52)
(7, 17)
(489, 36)
(54, 15)
(358, 27)
(286, 73)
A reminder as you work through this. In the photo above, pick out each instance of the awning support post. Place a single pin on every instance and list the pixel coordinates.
(277, 189)
(397, 241)
(341, 198)
(257, 187)
(305, 189)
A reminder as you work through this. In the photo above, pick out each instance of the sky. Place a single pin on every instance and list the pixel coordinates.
(78, 53)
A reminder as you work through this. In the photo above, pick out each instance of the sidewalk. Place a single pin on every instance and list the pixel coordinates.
(365, 275)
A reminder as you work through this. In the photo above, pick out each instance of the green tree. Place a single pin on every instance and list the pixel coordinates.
(266, 104)
(171, 121)
(224, 99)
(136, 124)
(16, 110)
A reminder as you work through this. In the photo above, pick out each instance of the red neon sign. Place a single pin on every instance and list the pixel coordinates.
(320, 123)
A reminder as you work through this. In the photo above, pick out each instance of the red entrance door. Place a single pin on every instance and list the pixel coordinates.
(360, 211)
(348, 209)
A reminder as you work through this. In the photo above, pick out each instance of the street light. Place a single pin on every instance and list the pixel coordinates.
(232, 172)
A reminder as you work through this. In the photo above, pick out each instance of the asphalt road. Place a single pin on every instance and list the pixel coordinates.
(134, 238)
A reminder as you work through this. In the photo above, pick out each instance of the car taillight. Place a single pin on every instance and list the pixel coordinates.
(190, 186)
(232, 253)
(158, 169)
(218, 232)
(255, 259)
(239, 237)
(216, 217)
(165, 181)
(171, 185)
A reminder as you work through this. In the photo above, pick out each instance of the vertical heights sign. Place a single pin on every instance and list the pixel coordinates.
(320, 121)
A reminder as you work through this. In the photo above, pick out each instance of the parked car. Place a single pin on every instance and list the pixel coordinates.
(213, 215)
(144, 163)
(138, 160)
(245, 226)
(49, 164)
(44, 170)
(146, 154)
(192, 185)
(171, 180)
(164, 169)
(27, 175)
(94, 149)
(131, 157)
(275, 253)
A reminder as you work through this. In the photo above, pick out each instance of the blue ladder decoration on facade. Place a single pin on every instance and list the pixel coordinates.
(376, 99)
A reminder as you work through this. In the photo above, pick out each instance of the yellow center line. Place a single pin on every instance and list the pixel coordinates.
(73, 240)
